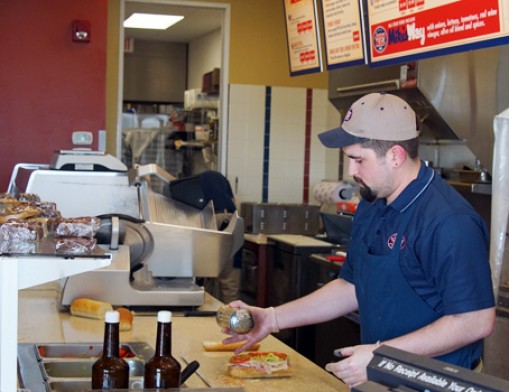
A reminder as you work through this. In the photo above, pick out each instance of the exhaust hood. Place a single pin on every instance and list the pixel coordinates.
(363, 80)
(455, 97)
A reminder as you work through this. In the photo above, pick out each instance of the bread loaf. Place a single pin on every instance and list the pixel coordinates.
(245, 372)
(212, 345)
(86, 307)
(126, 319)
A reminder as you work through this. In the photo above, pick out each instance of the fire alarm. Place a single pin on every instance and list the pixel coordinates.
(81, 31)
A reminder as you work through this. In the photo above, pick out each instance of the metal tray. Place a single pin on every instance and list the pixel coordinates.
(83, 369)
(84, 385)
(68, 367)
(81, 351)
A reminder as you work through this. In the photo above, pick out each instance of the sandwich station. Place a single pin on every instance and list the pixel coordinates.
(147, 260)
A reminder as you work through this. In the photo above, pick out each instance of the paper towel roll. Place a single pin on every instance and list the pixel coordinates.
(333, 192)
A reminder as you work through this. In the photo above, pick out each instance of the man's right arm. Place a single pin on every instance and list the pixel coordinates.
(333, 300)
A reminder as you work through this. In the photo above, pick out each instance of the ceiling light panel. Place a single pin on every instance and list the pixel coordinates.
(151, 21)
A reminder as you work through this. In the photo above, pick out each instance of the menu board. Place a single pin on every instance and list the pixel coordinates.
(303, 37)
(342, 26)
(400, 30)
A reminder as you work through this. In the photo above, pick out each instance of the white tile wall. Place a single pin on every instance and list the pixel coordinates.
(324, 162)
(245, 141)
(287, 142)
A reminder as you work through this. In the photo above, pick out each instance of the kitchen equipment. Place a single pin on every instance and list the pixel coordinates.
(158, 245)
(455, 97)
(277, 218)
(68, 366)
(46, 367)
(337, 227)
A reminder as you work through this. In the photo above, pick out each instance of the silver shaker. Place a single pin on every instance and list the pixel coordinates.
(236, 319)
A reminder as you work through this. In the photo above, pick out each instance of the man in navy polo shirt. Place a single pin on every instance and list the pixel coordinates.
(417, 268)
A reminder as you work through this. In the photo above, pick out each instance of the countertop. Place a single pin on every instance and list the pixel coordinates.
(42, 321)
(299, 240)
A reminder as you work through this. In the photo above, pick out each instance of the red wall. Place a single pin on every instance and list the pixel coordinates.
(49, 85)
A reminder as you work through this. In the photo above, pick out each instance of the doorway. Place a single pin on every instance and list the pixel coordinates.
(203, 23)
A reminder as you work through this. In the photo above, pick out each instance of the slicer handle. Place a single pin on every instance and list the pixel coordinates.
(115, 232)
(123, 217)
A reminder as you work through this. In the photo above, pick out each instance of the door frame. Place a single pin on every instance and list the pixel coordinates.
(225, 61)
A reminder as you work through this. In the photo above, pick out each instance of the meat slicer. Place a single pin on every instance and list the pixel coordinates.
(159, 245)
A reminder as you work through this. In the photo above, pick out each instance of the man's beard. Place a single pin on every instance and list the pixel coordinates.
(365, 191)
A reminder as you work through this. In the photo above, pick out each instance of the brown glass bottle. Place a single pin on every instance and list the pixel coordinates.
(162, 370)
(110, 371)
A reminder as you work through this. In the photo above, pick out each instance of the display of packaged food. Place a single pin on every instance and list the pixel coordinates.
(75, 245)
(85, 226)
(28, 225)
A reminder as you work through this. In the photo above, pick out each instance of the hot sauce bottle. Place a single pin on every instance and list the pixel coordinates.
(111, 371)
(162, 370)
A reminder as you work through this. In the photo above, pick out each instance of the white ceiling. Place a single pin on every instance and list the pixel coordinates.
(196, 23)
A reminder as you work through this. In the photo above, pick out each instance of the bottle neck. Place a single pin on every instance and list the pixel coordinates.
(111, 346)
(163, 340)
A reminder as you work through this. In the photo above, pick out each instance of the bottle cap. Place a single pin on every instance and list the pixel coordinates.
(112, 316)
(164, 316)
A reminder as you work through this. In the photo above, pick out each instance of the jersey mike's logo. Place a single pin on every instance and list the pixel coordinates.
(380, 39)
(392, 240)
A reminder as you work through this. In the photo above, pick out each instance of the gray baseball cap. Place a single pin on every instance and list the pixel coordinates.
(377, 116)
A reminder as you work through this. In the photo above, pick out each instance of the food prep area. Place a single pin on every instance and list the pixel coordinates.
(49, 334)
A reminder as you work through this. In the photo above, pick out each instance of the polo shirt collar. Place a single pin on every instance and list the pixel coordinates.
(415, 189)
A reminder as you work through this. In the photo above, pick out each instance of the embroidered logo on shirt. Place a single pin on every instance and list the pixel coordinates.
(392, 240)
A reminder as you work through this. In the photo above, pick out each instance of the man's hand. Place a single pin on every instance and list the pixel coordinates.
(352, 369)
(264, 324)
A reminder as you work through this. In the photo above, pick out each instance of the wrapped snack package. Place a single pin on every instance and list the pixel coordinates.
(29, 197)
(48, 216)
(21, 231)
(17, 247)
(75, 245)
(86, 226)
(17, 212)
(48, 210)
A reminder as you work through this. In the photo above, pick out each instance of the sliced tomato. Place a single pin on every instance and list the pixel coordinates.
(240, 358)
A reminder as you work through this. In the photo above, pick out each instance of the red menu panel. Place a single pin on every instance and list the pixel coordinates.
(411, 27)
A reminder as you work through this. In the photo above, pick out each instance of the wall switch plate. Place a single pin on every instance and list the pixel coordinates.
(82, 138)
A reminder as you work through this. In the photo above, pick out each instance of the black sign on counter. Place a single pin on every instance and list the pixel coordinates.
(394, 368)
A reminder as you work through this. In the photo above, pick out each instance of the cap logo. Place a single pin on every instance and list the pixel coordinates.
(348, 115)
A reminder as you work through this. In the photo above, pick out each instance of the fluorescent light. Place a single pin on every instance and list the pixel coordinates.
(151, 21)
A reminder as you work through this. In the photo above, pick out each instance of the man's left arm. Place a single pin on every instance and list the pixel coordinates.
(444, 335)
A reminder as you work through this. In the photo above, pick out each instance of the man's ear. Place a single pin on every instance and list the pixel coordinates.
(397, 155)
